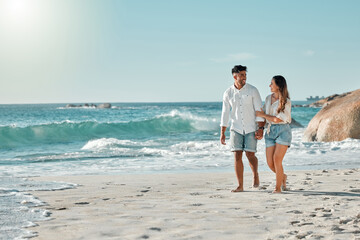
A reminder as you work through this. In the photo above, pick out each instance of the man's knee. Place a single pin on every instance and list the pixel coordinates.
(250, 155)
(238, 155)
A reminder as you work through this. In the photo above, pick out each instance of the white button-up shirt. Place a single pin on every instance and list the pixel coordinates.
(239, 107)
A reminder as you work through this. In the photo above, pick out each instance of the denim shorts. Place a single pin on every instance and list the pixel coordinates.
(280, 134)
(240, 142)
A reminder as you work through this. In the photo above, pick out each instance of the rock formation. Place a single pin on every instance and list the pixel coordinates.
(337, 120)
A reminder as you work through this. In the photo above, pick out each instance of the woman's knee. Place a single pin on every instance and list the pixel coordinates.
(277, 159)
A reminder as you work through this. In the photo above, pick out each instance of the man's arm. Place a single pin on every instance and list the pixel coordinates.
(225, 116)
(222, 135)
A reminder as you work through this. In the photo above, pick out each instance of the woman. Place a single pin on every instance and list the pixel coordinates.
(277, 113)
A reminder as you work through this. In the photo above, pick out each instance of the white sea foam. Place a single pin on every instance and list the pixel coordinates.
(199, 123)
(17, 205)
(113, 143)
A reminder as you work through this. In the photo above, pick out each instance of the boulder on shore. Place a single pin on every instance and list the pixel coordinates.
(337, 120)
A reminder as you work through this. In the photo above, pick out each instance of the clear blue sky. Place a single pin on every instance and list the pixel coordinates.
(161, 51)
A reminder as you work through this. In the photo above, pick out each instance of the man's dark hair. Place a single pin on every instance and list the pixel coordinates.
(238, 68)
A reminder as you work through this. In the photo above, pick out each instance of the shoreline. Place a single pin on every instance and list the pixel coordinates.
(321, 204)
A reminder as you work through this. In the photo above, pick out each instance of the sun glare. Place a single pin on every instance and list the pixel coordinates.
(18, 12)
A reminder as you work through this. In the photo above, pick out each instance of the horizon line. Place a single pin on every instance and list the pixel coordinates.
(120, 102)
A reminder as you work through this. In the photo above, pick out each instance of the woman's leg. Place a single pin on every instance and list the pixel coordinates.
(270, 157)
(279, 154)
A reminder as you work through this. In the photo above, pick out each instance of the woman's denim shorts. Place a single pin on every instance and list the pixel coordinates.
(280, 134)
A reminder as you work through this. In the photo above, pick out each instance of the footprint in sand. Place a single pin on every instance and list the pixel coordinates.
(293, 232)
(197, 204)
(216, 196)
(195, 194)
(155, 229)
(303, 235)
(327, 210)
(336, 228)
(144, 191)
(305, 223)
(295, 211)
(355, 190)
(315, 236)
(345, 220)
(82, 203)
(327, 215)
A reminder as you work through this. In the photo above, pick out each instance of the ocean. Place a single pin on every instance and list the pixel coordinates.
(129, 138)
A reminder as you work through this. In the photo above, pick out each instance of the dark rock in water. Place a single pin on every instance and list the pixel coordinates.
(70, 105)
(297, 105)
(86, 105)
(337, 120)
(295, 124)
(104, 105)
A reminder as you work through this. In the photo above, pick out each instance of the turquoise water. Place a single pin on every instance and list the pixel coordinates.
(129, 138)
(121, 139)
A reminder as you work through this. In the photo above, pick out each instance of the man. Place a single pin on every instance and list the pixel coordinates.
(240, 102)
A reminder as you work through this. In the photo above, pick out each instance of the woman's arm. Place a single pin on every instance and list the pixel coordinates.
(268, 117)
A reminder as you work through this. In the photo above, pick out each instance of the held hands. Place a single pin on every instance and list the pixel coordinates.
(259, 134)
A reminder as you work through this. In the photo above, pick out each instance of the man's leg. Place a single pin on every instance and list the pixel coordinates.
(253, 162)
(239, 171)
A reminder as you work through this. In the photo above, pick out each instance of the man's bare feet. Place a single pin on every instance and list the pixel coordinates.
(283, 187)
(256, 181)
(276, 191)
(238, 189)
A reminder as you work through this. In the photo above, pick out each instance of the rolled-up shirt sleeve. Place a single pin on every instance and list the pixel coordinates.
(225, 114)
(285, 116)
(257, 104)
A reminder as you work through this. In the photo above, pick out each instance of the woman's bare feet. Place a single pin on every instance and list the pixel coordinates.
(238, 189)
(276, 191)
(283, 187)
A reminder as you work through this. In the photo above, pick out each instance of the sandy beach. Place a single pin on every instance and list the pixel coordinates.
(319, 205)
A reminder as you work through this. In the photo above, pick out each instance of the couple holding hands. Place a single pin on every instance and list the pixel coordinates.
(242, 107)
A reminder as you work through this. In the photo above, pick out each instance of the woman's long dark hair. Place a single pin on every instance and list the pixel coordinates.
(284, 93)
